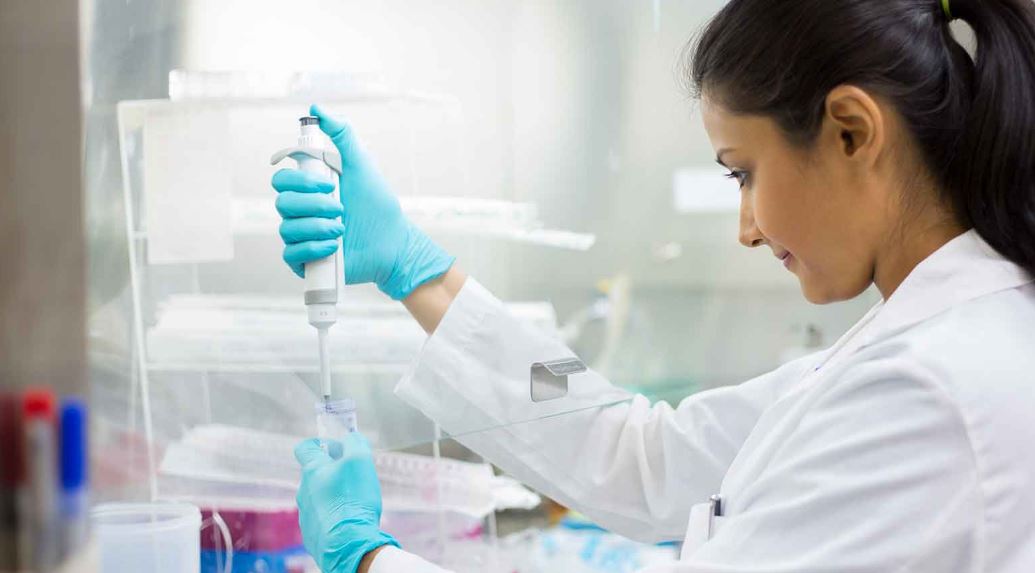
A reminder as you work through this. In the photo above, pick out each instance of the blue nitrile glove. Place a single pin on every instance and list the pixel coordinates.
(339, 504)
(380, 245)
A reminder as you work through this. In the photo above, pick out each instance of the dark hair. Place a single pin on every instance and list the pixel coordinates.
(972, 120)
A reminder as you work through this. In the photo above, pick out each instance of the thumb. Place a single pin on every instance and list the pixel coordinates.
(310, 455)
(340, 134)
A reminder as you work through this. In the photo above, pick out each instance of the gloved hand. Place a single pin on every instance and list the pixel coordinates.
(339, 504)
(379, 244)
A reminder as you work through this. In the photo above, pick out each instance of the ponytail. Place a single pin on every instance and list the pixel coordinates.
(973, 120)
(991, 181)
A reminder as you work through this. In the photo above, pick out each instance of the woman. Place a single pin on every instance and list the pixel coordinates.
(870, 149)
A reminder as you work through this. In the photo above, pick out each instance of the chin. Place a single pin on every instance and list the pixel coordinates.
(820, 292)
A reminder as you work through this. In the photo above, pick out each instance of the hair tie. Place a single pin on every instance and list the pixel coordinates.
(947, 10)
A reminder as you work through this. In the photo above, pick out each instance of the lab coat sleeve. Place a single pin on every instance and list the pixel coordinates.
(395, 560)
(879, 477)
(633, 467)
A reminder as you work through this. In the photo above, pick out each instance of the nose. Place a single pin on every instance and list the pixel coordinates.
(750, 236)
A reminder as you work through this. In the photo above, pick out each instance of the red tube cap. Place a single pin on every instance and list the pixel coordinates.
(38, 403)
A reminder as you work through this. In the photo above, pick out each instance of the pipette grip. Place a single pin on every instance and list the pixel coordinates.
(321, 276)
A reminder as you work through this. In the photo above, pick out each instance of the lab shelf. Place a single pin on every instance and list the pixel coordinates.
(461, 216)
(259, 368)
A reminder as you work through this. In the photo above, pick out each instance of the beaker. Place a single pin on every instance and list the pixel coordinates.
(152, 537)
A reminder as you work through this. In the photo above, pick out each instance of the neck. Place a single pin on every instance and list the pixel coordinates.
(907, 248)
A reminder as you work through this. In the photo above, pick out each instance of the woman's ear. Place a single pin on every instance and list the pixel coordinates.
(856, 121)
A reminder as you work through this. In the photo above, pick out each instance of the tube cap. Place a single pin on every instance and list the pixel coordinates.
(38, 403)
(309, 120)
(73, 444)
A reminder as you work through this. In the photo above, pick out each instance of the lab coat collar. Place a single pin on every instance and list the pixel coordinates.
(963, 269)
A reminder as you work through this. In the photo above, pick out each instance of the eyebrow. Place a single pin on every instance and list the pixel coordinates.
(722, 152)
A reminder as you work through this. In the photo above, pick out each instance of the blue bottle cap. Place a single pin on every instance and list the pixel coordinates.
(73, 444)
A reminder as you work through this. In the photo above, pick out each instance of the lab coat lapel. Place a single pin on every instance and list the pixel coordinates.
(964, 269)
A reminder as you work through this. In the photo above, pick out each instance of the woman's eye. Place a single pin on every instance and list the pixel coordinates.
(740, 176)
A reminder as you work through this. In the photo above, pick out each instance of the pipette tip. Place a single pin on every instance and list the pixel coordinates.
(325, 365)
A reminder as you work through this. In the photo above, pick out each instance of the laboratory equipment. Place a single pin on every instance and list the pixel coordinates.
(218, 339)
(225, 462)
(415, 483)
(380, 245)
(335, 419)
(153, 537)
(255, 330)
(263, 538)
(322, 276)
(73, 508)
(221, 343)
(43, 485)
(39, 542)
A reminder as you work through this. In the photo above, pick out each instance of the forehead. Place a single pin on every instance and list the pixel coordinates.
(732, 130)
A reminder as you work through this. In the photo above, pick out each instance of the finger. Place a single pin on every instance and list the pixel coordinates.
(293, 205)
(310, 455)
(302, 253)
(329, 124)
(305, 229)
(301, 182)
(334, 449)
(298, 269)
(340, 133)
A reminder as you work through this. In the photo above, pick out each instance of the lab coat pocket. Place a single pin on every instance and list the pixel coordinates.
(701, 527)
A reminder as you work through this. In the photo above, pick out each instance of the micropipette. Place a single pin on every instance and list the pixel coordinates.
(322, 277)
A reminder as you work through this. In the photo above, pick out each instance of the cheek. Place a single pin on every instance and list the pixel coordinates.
(781, 207)
(794, 212)
(807, 212)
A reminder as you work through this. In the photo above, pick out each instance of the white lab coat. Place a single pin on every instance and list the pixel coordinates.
(907, 446)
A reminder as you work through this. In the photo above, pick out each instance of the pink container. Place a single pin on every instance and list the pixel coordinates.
(253, 530)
